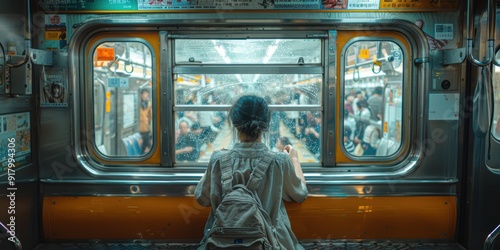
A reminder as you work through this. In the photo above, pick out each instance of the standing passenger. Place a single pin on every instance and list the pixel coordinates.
(146, 114)
(283, 179)
(375, 103)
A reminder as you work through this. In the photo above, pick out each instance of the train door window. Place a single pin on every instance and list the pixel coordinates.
(373, 99)
(210, 74)
(123, 108)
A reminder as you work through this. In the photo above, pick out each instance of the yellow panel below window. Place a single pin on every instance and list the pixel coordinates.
(181, 218)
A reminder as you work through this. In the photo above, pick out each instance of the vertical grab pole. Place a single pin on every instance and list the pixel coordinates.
(11, 238)
(490, 240)
(491, 34)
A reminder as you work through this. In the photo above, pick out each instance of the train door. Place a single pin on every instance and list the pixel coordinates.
(483, 173)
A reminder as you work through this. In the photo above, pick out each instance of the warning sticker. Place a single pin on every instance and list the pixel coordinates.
(105, 54)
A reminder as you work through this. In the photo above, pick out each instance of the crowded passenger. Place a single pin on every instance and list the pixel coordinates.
(207, 119)
(282, 142)
(375, 103)
(313, 134)
(362, 118)
(274, 126)
(145, 117)
(371, 139)
(348, 143)
(186, 147)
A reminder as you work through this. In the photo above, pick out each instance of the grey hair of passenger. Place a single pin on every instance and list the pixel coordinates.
(250, 115)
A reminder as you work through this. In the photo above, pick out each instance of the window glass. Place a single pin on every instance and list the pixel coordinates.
(222, 89)
(203, 100)
(496, 92)
(287, 93)
(248, 51)
(199, 133)
(373, 98)
(123, 110)
(195, 140)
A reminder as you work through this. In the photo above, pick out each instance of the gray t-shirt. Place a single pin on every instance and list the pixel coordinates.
(280, 183)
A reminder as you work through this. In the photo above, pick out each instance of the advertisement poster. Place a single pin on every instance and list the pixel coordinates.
(15, 139)
(159, 5)
(89, 5)
(54, 88)
(56, 35)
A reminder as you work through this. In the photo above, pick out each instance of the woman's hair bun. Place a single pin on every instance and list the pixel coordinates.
(250, 115)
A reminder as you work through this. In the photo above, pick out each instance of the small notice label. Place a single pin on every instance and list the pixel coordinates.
(364, 54)
(363, 4)
(443, 31)
(117, 82)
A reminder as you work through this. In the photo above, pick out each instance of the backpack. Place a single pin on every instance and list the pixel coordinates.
(240, 222)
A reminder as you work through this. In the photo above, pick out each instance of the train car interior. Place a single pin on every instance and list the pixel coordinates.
(110, 111)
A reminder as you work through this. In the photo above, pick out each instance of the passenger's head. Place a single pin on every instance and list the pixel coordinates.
(250, 116)
(145, 94)
(362, 104)
(349, 99)
(347, 133)
(346, 114)
(378, 90)
(317, 117)
(183, 127)
(282, 142)
(359, 95)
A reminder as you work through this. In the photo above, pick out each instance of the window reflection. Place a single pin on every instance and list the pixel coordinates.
(373, 98)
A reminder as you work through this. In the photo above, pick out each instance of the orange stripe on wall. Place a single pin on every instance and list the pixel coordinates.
(170, 218)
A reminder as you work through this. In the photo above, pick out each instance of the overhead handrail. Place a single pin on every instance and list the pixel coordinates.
(491, 34)
(378, 64)
(355, 74)
(389, 58)
(128, 61)
(497, 63)
(11, 237)
(490, 240)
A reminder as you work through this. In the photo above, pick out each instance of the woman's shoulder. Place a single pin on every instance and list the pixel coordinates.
(281, 157)
(217, 154)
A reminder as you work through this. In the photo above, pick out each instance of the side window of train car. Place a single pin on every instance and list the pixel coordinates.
(122, 102)
(372, 99)
(209, 73)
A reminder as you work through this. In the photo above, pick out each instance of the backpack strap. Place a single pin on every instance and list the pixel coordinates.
(226, 173)
(255, 177)
(259, 171)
